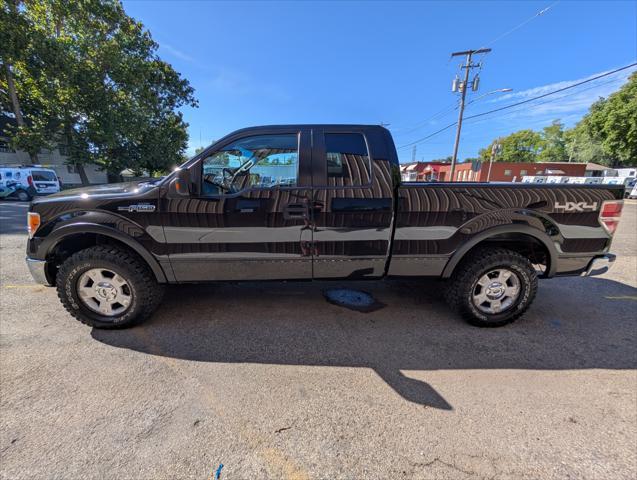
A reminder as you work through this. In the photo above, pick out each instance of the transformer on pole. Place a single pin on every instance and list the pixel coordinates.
(461, 86)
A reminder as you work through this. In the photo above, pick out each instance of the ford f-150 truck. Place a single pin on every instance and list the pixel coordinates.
(314, 202)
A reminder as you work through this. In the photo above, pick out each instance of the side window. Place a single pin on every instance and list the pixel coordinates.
(261, 161)
(347, 159)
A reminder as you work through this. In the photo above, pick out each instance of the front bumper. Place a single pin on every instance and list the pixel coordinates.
(599, 265)
(38, 271)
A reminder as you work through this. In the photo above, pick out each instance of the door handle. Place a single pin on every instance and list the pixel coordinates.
(317, 207)
(295, 211)
(245, 205)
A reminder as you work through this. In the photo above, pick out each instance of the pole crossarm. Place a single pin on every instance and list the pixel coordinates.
(471, 52)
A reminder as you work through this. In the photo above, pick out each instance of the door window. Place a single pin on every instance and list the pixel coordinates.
(347, 159)
(260, 161)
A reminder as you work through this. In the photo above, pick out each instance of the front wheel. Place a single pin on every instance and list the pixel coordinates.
(107, 287)
(492, 287)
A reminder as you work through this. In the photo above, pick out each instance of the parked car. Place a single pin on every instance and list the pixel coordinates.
(339, 211)
(33, 179)
(14, 190)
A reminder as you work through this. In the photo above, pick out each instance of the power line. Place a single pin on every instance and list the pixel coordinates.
(509, 32)
(513, 112)
(552, 93)
(428, 136)
(406, 130)
(447, 109)
(521, 103)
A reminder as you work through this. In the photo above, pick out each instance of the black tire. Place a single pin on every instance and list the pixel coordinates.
(464, 281)
(22, 196)
(145, 292)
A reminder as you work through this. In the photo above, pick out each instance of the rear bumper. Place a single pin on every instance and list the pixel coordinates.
(599, 265)
(38, 271)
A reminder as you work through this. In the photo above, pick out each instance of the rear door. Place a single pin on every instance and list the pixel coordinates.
(245, 224)
(45, 181)
(352, 203)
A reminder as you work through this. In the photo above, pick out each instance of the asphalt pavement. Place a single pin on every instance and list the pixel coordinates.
(270, 380)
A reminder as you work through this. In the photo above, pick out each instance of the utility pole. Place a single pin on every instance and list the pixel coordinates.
(462, 86)
(413, 154)
(495, 149)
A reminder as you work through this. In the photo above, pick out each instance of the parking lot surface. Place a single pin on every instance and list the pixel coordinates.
(272, 381)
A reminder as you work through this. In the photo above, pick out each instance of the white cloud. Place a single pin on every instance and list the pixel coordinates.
(233, 82)
(605, 86)
(175, 52)
(569, 105)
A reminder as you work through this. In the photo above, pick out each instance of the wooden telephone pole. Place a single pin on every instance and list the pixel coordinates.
(462, 86)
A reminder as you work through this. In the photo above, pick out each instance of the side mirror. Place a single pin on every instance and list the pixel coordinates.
(181, 183)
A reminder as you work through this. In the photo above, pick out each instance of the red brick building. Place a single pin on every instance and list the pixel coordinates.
(500, 171)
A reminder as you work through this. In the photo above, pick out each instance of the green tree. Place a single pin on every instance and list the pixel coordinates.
(553, 145)
(18, 96)
(89, 75)
(580, 147)
(521, 146)
(612, 124)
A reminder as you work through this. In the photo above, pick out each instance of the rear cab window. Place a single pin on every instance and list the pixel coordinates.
(43, 176)
(347, 159)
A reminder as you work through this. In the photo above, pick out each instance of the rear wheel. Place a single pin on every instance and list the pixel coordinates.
(492, 287)
(108, 287)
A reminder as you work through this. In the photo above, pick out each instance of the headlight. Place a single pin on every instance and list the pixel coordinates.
(33, 223)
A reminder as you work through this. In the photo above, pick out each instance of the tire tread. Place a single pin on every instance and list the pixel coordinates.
(464, 276)
(152, 292)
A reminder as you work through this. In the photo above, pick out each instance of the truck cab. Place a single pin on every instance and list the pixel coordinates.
(317, 200)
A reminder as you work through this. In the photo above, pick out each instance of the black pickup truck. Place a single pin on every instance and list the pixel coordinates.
(311, 202)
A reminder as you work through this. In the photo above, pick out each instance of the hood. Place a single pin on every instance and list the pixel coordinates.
(107, 190)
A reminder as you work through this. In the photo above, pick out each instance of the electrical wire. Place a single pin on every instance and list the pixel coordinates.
(552, 93)
(428, 136)
(509, 32)
(437, 132)
(402, 131)
(513, 112)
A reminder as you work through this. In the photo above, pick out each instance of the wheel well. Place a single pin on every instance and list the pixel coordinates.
(80, 241)
(526, 245)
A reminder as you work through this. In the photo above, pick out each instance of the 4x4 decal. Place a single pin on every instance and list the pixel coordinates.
(576, 206)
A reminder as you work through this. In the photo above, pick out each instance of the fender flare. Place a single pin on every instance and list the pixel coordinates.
(517, 228)
(56, 236)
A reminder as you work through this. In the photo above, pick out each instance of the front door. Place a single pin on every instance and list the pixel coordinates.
(251, 218)
(352, 204)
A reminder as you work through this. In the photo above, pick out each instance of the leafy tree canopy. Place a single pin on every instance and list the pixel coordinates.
(612, 124)
(521, 146)
(89, 76)
(606, 135)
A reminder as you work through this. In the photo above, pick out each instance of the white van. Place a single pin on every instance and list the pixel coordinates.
(43, 180)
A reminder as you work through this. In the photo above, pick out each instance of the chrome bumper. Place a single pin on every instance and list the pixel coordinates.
(599, 265)
(38, 271)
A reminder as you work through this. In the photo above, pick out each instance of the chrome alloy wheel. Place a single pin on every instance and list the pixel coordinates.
(104, 291)
(496, 291)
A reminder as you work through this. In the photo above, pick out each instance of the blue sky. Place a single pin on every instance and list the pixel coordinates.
(254, 63)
